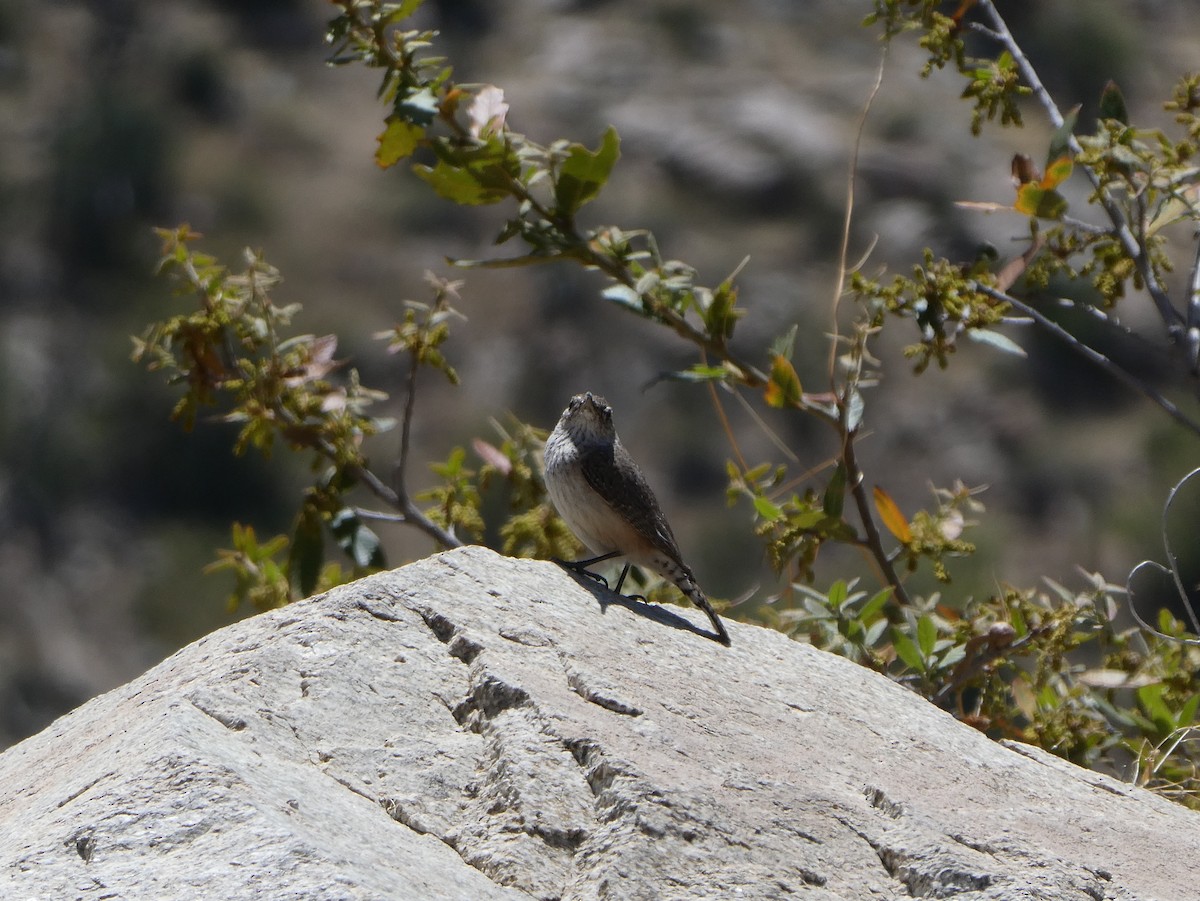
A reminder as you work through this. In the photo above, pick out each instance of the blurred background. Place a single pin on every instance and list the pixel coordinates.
(737, 122)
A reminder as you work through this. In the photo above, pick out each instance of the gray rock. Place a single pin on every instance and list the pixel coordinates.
(476, 727)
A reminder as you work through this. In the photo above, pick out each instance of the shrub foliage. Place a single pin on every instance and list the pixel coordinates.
(1051, 665)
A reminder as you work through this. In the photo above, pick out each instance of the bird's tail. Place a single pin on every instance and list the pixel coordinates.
(686, 583)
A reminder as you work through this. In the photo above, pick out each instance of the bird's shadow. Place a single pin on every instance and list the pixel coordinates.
(605, 597)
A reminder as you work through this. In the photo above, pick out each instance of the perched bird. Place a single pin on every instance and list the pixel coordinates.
(603, 496)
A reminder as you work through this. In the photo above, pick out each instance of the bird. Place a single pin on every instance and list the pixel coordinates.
(601, 494)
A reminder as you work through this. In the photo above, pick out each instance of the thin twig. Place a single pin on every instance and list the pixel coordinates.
(379, 515)
(397, 496)
(770, 433)
(401, 469)
(840, 286)
(1193, 306)
(725, 426)
(854, 476)
(1173, 568)
(1092, 354)
(874, 541)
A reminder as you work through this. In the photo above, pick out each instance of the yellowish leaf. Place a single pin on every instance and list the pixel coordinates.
(397, 142)
(1058, 172)
(891, 516)
(783, 390)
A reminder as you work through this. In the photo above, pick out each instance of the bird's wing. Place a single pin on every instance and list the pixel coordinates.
(613, 475)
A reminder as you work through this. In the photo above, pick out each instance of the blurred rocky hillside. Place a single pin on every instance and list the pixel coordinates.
(737, 122)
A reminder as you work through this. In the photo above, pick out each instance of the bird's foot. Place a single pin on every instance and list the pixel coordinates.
(580, 567)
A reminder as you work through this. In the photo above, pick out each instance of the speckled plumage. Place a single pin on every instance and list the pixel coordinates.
(599, 491)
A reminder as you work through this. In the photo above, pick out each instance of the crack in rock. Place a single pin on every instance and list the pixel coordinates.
(878, 799)
(441, 627)
(602, 696)
(532, 810)
(929, 874)
(488, 698)
(387, 615)
(228, 720)
(464, 648)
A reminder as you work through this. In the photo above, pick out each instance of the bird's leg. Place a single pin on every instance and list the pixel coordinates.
(621, 581)
(581, 566)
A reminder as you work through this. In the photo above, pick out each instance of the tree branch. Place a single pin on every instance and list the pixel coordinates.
(1129, 243)
(1094, 355)
(397, 496)
(874, 541)
(1192, 337)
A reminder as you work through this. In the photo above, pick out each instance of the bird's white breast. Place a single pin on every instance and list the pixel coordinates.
(588, 515)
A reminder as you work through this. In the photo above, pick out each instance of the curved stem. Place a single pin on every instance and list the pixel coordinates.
(848, 217)
(398, 495)
(874, 541)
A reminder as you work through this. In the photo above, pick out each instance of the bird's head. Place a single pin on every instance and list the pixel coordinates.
(588, 418)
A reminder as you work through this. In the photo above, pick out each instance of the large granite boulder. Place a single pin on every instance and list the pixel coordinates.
(473, 727)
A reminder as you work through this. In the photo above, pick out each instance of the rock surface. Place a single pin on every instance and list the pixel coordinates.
(473, 727)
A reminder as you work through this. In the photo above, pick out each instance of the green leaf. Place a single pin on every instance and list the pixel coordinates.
(1112, 104)
(584, 172)
(722, 314)
(755, 475)
(907, 651)
(1060, 141)
(952, 656)
(397, 142)
(1151, 699)
(702, 373)
(837, 593)
(1017, 619)
(834, 500)
(403, 10)
(360, 543)
(785, 344)
(307, 552)
(926, 635)
(767, 510)
(872, 607)
(806, 519)
(479, 174)
(459, 184)
(1187, 713)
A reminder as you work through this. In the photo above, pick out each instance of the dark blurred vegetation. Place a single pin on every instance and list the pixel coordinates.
(736, 121)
